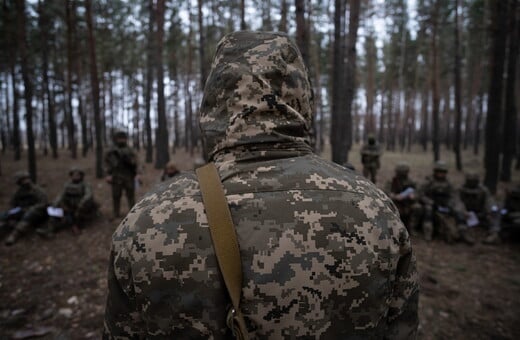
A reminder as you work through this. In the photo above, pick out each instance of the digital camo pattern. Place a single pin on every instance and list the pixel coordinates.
(324, 254)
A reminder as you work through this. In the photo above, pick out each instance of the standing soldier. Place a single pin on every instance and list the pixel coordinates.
(481, 206)
(440, 211)
(29, 202)
(77, 203)
(402, 190)
(121, 167)
(370, 154)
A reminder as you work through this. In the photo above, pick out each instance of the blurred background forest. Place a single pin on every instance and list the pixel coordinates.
(429, 79)
(425, 72)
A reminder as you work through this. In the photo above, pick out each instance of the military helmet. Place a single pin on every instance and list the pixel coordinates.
(440, 166)
(76, 169)
(371, 138)
(402, 168)
(20, 175)
(120, 134)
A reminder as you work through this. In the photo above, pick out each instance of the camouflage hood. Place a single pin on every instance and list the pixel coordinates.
(257, 100)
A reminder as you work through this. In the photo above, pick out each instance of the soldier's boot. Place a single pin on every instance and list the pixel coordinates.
(428, 230)
(466, 237)
(13, 237)
(46, 231)
(492, 238)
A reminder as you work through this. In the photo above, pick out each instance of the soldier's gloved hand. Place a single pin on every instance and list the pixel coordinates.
(108, 179)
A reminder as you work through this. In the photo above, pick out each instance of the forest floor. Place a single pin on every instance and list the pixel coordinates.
(56, 288)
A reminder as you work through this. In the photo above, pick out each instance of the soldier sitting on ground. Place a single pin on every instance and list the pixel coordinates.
(28, 206)
(77, 203)
(370, 154)
(481, 208)
(170, 170)
(510, 222)
(441, 215)
(402, 190)
(121, 167)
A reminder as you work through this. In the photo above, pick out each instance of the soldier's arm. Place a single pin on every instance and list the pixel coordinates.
(403, 319)
(87, 196)
(42, 196)
(122, 317)
(59, 200)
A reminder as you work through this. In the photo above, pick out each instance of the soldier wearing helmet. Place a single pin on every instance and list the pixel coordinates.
(324, 253)
(170, 171)
(122, 169)
(370, 155)
(402, 190)
(76, 200)
(443, 214)
(27, 207)
(479, 203)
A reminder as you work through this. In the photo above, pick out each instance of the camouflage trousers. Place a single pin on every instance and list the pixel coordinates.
(370, 172)
(120, 184)
(74, 216)
(449, 226)
(31, 218)
(410, 213)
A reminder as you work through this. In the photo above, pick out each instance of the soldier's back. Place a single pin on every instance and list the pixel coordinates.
(319, 248)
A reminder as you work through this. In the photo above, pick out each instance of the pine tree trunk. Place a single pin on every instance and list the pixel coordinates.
(17, 142)
(27, 82)
(510, 117)
(458, 107)
(282, 27)
(161, 147)
(435, 82)
(149, 83)
(94, 83)
(71, 130)
(494, 112)
(202, 48)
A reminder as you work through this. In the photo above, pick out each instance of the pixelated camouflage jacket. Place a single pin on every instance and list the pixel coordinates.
(121, 162)
(478, 200)
(30, 196)
(324, 254)
(74, 195)
(370, 155)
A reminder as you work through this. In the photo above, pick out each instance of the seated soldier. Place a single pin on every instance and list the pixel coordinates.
(481, 208)
(170, 170)
(27, 207)
(76, 201)
(402, 190)
(441, 214)
(510, 222)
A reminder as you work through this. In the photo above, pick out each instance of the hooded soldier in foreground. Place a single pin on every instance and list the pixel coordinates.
(323, 251)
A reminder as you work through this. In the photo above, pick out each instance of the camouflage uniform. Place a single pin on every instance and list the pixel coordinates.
(510, 223)
(121, 164)
(77, 201)
(442, 213)
(33, 201)
(409, 208)
(370, 154)
(324, 253)
(477, 199)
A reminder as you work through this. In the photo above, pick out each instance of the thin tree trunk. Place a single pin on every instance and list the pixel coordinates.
(494, 107)
(509, 135)
(94, 83)
(243, 25)
(51, 114)
(337, 138)
(202, 45)
(302, 37)
(149, 83)
(17, 143)
(162, 149)
(458, 107)
(435, 82)
(282, 27)
(71, 130)
(28, 92)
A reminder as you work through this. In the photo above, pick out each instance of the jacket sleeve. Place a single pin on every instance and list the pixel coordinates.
(59, 200)
(87, 196)
(403, 319)
(122, 317)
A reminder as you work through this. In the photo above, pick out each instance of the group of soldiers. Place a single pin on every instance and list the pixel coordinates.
(75, 205)
(439, 210)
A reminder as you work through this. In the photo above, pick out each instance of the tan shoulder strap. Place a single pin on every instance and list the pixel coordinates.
(225, 242)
